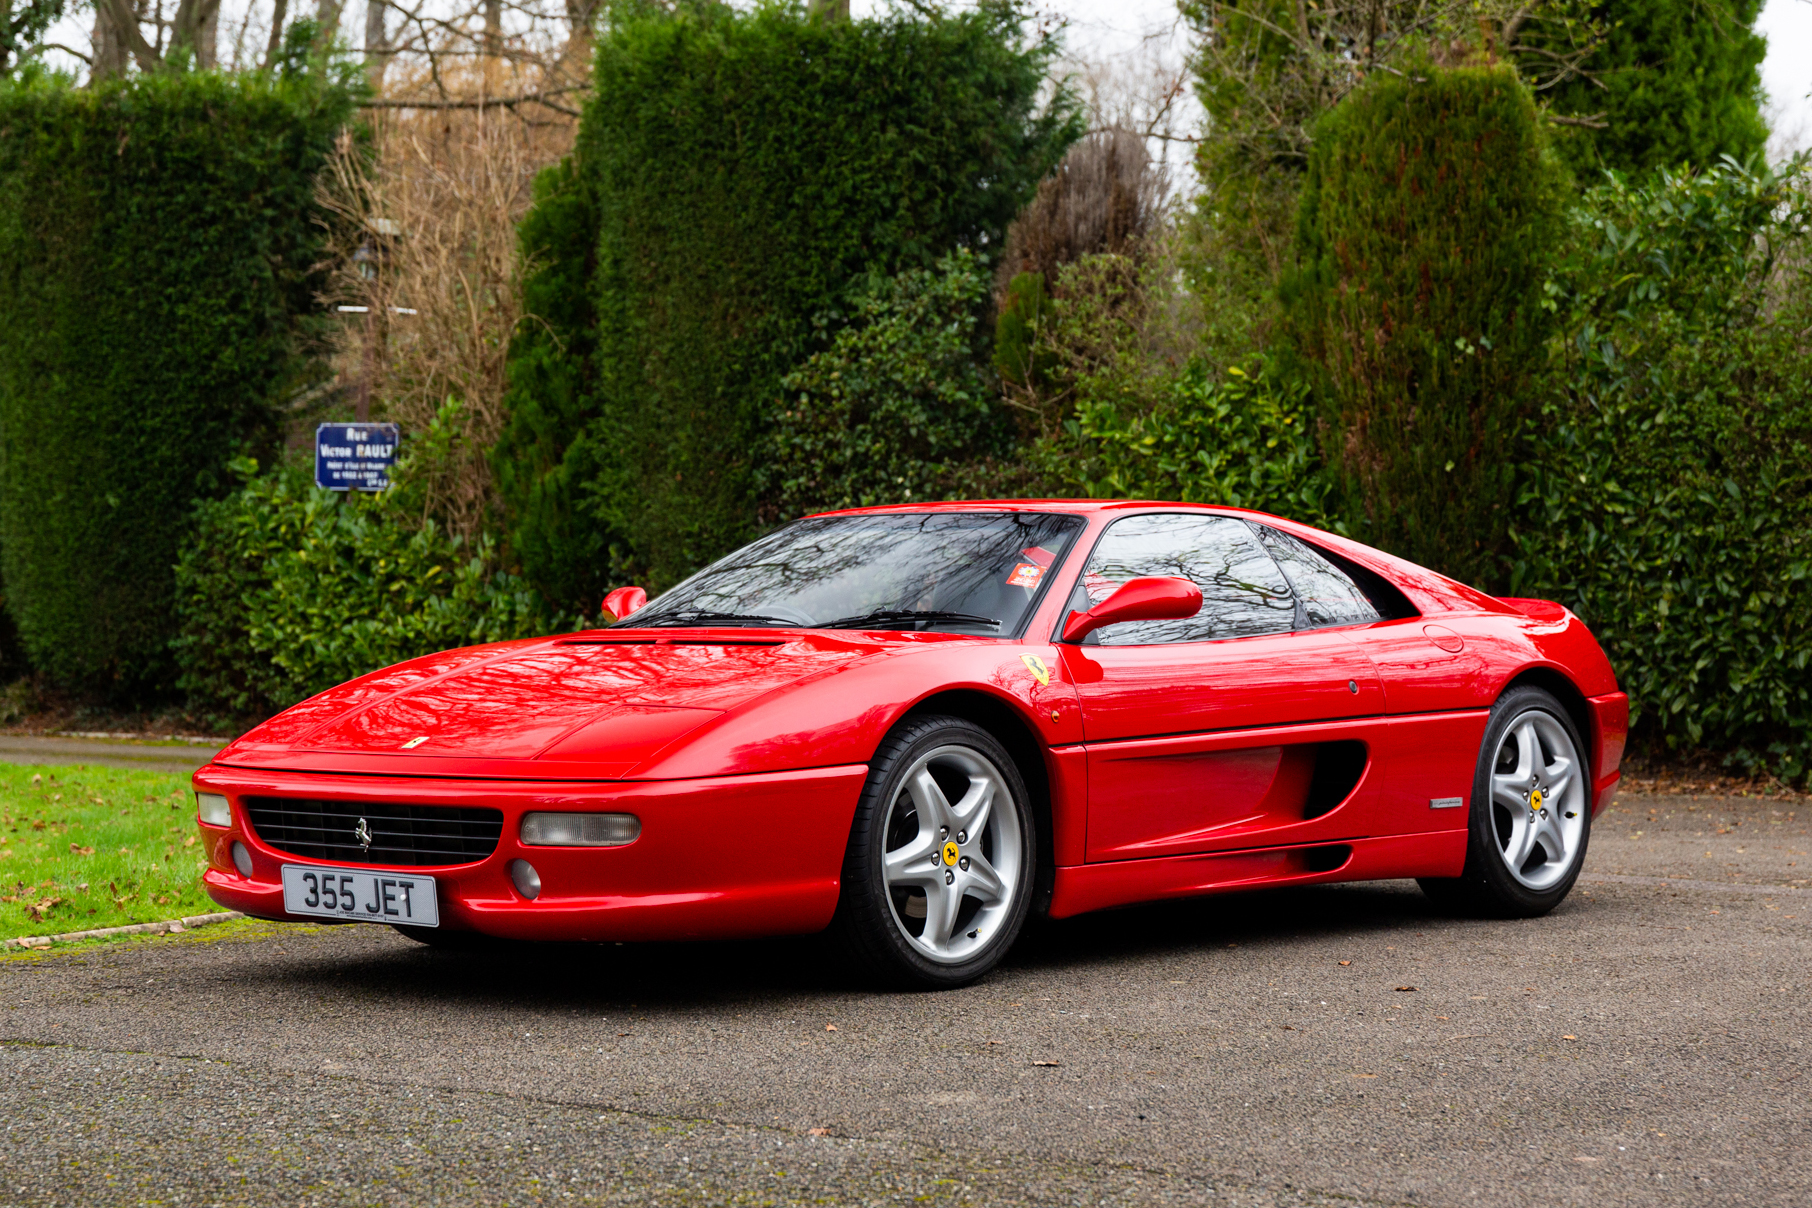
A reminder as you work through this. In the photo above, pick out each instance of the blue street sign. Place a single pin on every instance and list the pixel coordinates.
(354, 457)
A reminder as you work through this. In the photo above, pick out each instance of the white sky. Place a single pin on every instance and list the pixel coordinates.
(1142, 34)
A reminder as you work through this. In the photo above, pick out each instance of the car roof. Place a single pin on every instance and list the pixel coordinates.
(1079, 507)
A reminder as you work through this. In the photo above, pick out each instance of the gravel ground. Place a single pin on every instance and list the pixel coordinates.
(1642, 1045)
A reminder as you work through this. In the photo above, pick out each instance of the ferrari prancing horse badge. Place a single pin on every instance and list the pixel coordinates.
(1036, 666)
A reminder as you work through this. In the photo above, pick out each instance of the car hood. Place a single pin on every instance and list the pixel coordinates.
(585, 706)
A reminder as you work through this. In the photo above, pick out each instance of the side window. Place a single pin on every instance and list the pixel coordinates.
(1328, 594)
(1242, 592)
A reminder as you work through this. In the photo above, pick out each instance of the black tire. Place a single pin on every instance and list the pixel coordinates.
(1488, 886)
(874, 918)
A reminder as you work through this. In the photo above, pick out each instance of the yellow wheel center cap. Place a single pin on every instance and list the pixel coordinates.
(1535, 799)
(950, 853)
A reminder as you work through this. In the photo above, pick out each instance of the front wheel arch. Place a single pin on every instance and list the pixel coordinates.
(1014, 733)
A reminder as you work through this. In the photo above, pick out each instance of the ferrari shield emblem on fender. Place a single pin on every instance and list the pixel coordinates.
(1036, 666)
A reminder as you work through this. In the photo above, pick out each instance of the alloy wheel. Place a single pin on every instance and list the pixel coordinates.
(953, 850)
(1538, 800)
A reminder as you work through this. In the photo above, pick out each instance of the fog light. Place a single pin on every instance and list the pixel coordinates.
(213, 809)
(242, 859)
(528, 881)
(579, 830)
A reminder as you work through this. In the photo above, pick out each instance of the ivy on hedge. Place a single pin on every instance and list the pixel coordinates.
(157, 253)
(895, 403)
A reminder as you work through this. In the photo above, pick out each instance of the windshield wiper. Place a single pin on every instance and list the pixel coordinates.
(704, 616)
(889, 618)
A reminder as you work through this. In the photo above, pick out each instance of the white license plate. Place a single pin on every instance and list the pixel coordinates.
(360, 895)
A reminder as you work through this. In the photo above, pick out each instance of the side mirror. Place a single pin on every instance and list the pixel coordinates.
(1153, 599)
(623, 601)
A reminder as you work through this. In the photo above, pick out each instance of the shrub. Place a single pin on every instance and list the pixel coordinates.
(1241, 438)
(1667, 492)
(884, 414)
(157, 244)
(745, 169)
(1428, 218)
(285, 590)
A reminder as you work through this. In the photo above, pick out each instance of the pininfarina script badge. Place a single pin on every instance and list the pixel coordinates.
(362, 832)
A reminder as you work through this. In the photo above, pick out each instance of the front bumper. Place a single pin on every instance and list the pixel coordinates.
(719, 858)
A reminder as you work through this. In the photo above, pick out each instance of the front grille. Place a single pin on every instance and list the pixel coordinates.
(400, 834)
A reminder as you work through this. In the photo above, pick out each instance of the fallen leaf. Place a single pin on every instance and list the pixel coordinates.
(1365, 1075)
(1442, 1018)
(817, 1132)
(830, 1027)
(1288, 1028)
(1405, 989)
(80, 850)
(1346, 962)
(1047, 1063)
(1569, 1038)
(37, 778)
(189, 842)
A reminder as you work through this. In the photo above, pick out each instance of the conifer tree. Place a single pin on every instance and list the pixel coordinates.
(1429, 210)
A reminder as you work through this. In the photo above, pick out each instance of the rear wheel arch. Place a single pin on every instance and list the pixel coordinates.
(1014, 733)
(1562, 689)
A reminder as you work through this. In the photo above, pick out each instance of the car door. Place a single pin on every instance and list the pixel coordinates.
(1436, 705)
(1234, 728)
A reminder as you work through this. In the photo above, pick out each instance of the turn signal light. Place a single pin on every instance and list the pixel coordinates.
(579, 830)
(213, 809)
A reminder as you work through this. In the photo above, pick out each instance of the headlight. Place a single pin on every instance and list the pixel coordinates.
(579, 830)
(213, 809)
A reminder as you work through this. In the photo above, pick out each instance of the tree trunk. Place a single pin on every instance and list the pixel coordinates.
(493, 28)
(575, 56)
(377, 45)
(279, 10)
(109, 47)
(327, 22)
(207, 41)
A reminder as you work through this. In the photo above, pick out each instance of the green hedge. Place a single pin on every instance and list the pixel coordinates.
(157, 250)
(285, 590)
(1427, 223)
(1667, 490)
(745, 170)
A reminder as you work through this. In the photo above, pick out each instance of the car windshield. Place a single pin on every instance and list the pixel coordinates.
(957, 572)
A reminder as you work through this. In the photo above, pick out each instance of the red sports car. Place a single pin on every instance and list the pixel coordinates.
(917, 724)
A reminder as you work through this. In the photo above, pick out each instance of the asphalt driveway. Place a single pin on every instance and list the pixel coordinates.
(1642, 1045)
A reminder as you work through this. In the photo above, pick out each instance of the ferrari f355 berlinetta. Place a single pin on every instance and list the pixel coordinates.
(916, 725)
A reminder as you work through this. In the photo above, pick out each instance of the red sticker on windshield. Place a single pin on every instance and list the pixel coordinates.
(1026, 574)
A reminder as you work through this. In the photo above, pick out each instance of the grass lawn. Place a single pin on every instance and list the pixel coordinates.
(85, 847)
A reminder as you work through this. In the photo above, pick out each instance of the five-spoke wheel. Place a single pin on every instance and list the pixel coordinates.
(1531, 812)
(941, 856)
